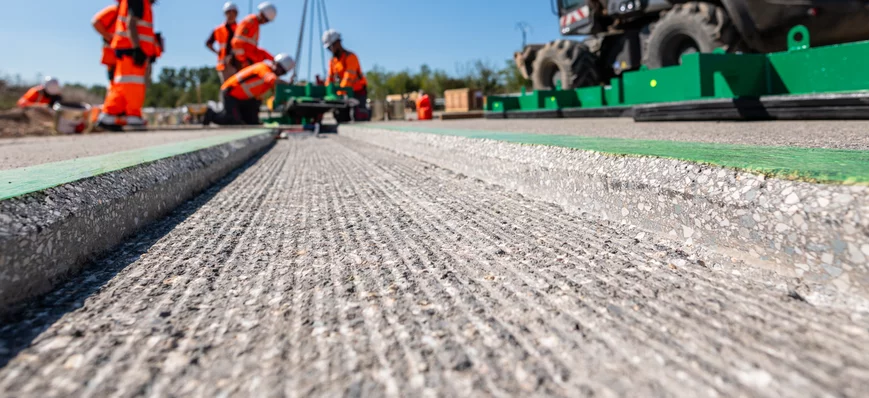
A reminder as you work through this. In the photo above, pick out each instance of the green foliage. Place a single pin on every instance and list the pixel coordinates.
(176, 87)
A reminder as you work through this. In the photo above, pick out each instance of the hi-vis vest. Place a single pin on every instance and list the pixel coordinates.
(252, 82)
(222, 36)
(246, 39)
(108, 18)
(144, 28)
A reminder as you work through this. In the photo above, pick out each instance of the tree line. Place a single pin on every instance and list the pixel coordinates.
(174, 87)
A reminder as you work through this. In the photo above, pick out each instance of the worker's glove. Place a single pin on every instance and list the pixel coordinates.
(139, 57)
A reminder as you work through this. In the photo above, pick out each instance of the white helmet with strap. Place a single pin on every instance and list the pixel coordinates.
(51, 85)
(268, 11)
(229, 6)
(330, 37)
(285, 61)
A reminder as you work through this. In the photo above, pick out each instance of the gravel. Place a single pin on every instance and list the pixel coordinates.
(332, 267)
(811, 134)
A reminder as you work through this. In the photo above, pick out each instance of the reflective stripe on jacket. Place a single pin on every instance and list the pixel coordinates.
(144, 29)
(345, 71)
(252, 82)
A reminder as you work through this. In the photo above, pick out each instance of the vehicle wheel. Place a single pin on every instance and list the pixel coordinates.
(688, 28)
(566, 61)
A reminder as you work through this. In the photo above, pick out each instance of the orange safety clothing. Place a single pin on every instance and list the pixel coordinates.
(423, 107)
(345, 71)
(144, 28)
(35, 96)
(107, 18)
(245, 42)
(222, 35)
(252, 82)
(126, 96)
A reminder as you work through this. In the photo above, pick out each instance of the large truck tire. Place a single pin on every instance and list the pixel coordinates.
(688, 28)
(569, 62)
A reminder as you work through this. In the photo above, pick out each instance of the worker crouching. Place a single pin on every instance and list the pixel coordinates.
(44, 95)
(243, 92)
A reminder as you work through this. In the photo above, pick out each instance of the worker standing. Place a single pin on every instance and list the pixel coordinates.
(423, 106)
(243, 92)
(346, 73)
(104, 23)
(245, 42)
(45, 94)
(222, 35)
(135, 45)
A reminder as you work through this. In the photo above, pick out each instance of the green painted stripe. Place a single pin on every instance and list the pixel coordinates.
(17, 182)
(807, 164)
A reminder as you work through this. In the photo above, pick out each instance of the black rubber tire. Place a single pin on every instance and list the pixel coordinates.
(577, 66)
(689, 27)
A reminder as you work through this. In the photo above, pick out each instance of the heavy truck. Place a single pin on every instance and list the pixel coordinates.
(616, 36)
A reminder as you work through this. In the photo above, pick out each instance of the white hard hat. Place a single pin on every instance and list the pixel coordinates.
(51, 85)
(229, 6)
(285, 61)
(268, 10)
(330, 37)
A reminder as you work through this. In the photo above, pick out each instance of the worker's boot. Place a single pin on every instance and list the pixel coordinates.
(110, 123)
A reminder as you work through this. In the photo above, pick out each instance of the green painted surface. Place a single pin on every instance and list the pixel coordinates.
(17, 182)
(808, 164)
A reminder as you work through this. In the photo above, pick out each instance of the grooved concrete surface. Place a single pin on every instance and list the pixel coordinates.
(810, 134)
(334, 267)
(29, 151)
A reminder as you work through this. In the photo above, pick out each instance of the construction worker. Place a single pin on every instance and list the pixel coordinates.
(222, 35)
(245, 42)
(243, 92)
(46, 94)
(104, 23)
(136, 45)
(346, 73)
(423, 106)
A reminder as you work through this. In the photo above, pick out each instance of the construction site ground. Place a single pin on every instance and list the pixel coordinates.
(329, 266)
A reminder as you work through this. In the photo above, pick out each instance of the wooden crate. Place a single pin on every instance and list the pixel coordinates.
(463, 100)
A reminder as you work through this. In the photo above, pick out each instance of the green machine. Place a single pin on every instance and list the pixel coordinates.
(800, 83)
(306, 105)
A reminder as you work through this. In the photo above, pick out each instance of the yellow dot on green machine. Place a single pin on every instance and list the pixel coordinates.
(653, 83)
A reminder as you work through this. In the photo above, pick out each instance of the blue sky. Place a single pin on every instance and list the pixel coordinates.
(395, 34)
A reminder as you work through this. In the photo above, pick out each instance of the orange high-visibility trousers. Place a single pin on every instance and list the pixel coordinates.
(127, 95)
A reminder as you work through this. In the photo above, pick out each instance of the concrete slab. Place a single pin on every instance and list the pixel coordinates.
(55, 217)
(809, 134)
(29, 151)
(331, 267)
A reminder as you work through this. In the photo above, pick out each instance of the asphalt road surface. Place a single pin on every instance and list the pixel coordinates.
(331, 267)
(811, 134)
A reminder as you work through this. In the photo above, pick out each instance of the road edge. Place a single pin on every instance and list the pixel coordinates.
(51, 233)
(816, 233)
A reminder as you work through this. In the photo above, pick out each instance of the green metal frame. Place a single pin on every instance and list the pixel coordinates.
(306, 93)
(799, 70)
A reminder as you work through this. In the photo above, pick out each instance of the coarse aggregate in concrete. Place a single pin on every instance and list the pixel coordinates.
(333, 267)
(48, 234)
(809, 134)
(29, 151)
(815, 232)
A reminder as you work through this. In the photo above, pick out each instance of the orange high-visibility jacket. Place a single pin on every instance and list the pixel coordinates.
(345, 71)
(107, 18)
(245, 43)
(252, 82)
(221, 37)
(35, 96)
(144, 28)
